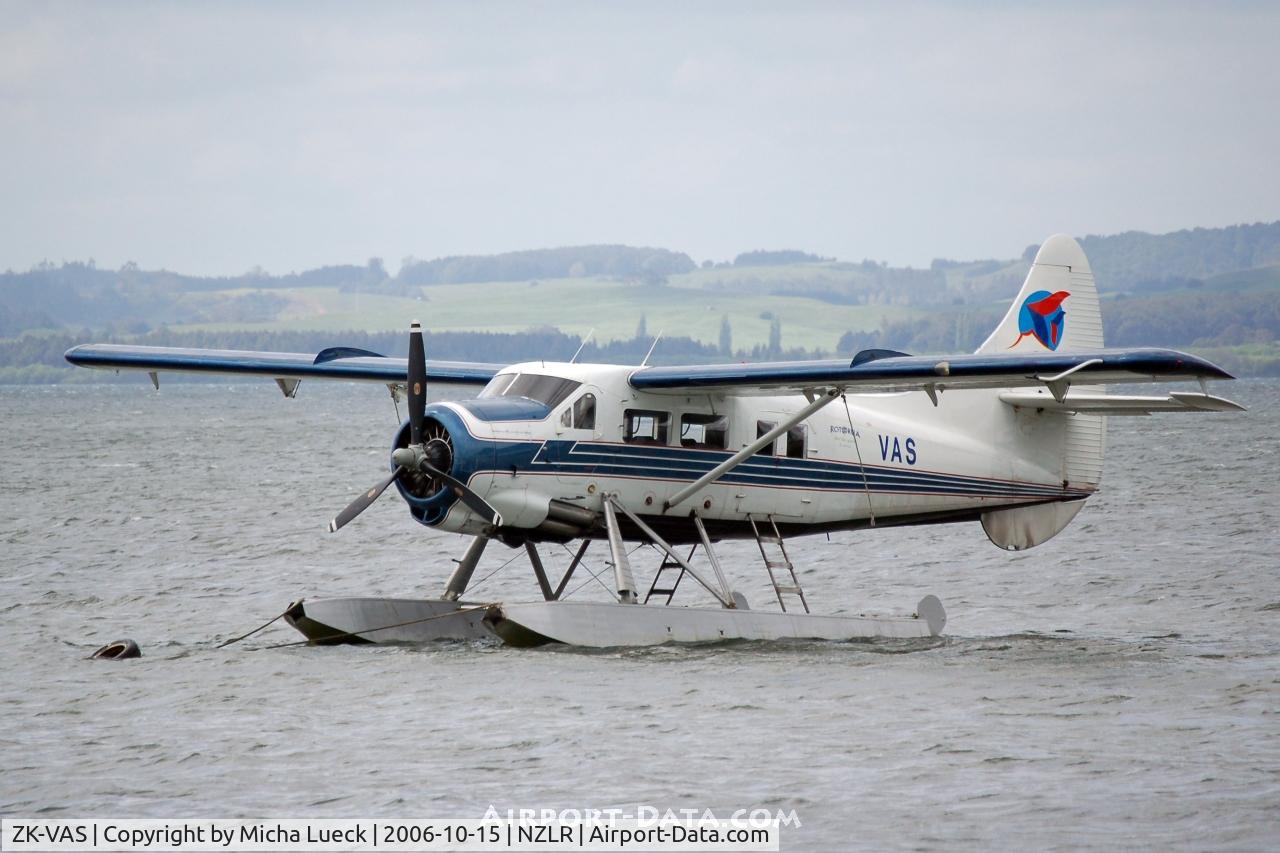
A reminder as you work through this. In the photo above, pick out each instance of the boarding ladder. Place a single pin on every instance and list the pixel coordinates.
(668, 565)
(773, 564)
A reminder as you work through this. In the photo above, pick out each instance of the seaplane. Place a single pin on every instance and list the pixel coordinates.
(1010, 436)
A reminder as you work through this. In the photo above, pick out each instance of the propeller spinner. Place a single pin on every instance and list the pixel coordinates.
(431, 457)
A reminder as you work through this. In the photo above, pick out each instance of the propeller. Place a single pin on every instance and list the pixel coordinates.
(421, 457)
(469, 498)
(363, 502)
(417, 384)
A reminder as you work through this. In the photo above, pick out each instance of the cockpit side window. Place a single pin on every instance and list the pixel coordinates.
(644, 426)
(584, 412)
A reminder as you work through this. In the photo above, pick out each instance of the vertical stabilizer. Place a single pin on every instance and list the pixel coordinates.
(1057, 311)
(1057, 308)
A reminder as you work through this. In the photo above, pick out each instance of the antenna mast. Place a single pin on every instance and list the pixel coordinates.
(652, 347)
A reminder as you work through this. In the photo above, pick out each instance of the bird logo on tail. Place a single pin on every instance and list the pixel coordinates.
(1042, 316)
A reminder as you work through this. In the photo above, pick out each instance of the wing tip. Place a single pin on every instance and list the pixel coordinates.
(75, 355)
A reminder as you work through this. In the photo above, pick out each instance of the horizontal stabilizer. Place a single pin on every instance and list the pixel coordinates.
(1117, 404)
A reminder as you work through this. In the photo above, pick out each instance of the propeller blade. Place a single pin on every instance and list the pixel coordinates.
(363, 502)
(417, 383)
(474, 502)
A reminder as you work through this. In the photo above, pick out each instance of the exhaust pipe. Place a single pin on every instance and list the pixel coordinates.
(558, 529)
(571, 514)
(566, 521)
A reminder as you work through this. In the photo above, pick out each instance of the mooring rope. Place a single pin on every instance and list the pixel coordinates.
(255, 630)
(346, 634)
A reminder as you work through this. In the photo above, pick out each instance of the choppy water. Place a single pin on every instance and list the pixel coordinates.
(1116, 687)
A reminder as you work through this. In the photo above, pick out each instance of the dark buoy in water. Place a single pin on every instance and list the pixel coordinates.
(118, 650)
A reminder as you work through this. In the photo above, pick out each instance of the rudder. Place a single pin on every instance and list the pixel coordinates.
(1056, 310)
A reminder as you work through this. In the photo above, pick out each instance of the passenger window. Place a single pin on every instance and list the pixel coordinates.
(707, 432)
(644, 426)
(763, 427)
(795, 441)
(584, 412)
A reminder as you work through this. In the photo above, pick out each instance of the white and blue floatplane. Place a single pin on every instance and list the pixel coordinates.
(1010, 436)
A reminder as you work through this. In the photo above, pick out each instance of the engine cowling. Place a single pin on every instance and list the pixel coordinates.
(429, 497)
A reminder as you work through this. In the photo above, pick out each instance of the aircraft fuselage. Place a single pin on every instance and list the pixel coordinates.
(895, 458)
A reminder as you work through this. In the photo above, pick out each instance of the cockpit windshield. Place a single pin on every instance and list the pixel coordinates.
(551, 390)
(497, 385)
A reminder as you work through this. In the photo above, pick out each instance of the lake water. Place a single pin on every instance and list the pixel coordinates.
(1118, 686)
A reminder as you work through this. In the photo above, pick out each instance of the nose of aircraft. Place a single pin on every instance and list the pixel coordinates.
(423, 460)
(433, 470)
(433, 452)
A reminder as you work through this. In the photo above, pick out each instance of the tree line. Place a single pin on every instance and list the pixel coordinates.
(643, 264)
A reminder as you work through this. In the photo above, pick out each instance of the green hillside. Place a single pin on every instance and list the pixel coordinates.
(613, 308)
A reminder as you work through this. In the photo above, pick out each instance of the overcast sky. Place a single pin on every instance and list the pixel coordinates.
(209, 138)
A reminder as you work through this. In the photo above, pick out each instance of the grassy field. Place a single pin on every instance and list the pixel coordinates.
(691, 304)
(1261, 359)
(576, 305)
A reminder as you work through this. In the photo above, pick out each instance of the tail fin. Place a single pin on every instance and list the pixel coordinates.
(1057, 308)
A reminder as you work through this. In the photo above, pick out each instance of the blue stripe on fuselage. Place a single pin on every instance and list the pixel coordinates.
(683, 465)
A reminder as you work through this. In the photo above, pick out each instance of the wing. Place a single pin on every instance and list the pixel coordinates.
(287, 368)
(878, 371)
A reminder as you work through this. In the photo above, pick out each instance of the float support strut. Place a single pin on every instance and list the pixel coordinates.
(715, 561)
(721, 597)
(622, 576)
(539, 571)
(466, 567)
(577, 558)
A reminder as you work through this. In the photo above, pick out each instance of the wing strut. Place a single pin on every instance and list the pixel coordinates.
(747, 452)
